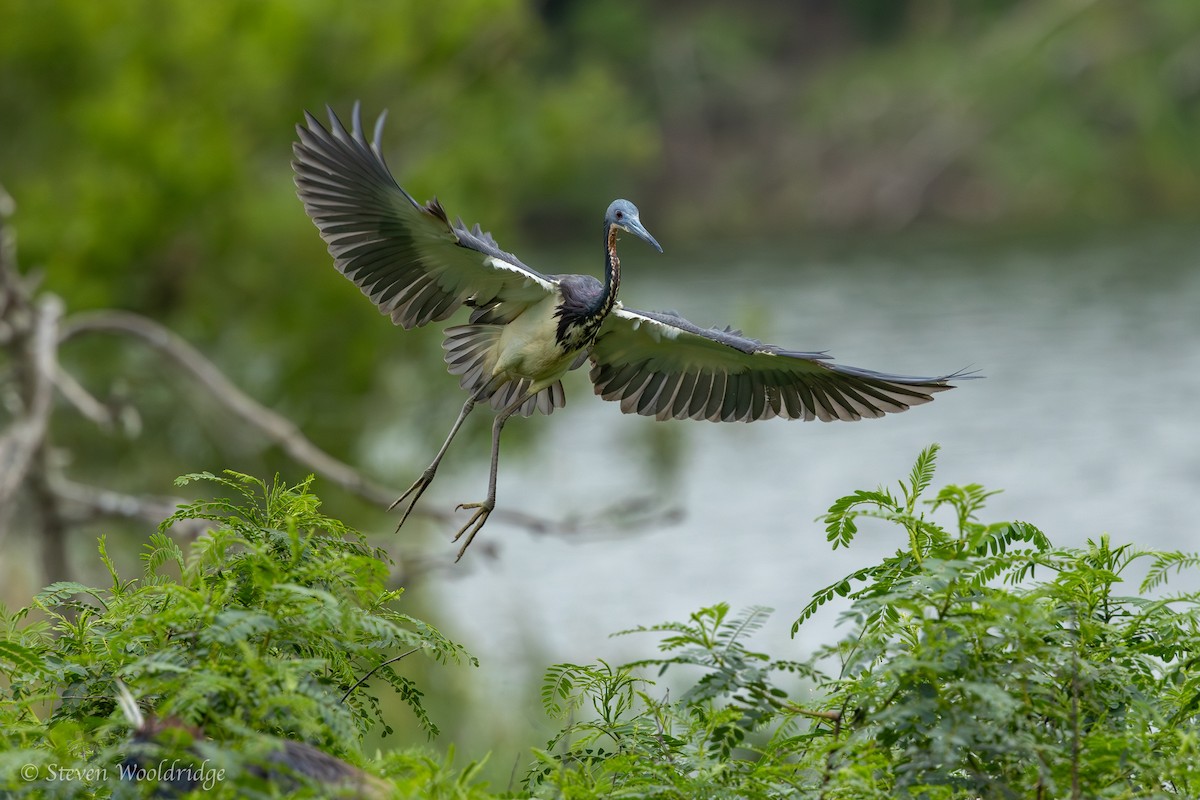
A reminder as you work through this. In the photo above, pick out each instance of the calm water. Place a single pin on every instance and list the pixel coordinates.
(1087, 420)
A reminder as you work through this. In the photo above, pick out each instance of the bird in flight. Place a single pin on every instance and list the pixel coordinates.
(527, 329)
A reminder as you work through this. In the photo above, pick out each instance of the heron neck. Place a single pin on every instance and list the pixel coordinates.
(612, 272)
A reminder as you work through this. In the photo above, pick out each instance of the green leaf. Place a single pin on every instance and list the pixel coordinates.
(840, 527)
(161, 549)
(23, 659)
(58, 592)
(920, 477)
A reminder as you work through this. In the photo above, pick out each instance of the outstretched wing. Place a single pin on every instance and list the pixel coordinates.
(408, 258)
(660, 365)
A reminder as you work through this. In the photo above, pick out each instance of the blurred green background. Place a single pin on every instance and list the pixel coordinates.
(147, 146)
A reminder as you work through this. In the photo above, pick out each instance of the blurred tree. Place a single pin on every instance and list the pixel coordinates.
(878, 114)
(148, 148)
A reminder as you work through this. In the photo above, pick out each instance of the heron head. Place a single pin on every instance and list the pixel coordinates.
(624, 215)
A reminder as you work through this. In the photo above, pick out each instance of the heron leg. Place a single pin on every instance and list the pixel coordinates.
(422, 483)
(482, 510)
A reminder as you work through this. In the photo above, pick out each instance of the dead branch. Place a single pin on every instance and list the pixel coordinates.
(92, 409)
(84, 504)
(30, 335)
(276, 427)
(35, 360)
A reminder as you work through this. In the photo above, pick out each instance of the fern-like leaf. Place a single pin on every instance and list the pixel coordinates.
(920, 477)
(840, 527)
(22, 658)
(160, 550)
(1166, 563)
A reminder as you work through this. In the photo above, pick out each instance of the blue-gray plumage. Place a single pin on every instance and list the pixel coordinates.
(526, 329)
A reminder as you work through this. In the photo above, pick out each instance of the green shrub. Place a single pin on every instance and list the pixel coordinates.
(979, 662)
(260, 633)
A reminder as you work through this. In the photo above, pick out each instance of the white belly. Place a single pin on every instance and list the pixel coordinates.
(528, 348)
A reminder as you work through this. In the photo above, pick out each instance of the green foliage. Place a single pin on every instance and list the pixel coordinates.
(982, 662)
(644, 745)
(979, 680)
(263, 627)
(714, 642)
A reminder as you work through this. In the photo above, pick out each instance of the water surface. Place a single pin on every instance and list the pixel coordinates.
(1086, 419)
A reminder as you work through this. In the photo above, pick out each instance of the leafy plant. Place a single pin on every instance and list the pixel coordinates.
(981, 662)
(980, 680)
(266, 626)
(642, 745)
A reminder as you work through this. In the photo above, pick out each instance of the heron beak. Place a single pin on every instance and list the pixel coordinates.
(635, 227)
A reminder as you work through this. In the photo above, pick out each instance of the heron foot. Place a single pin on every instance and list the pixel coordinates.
(474, 524)
(416, 490)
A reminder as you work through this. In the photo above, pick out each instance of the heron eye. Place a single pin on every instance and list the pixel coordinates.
(620, 215)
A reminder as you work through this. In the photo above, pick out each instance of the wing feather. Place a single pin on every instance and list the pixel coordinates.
(716, 398)
(666, 396)
(759, 397)
(679, 403)
(408, 259)
(700, 394)
(661, 365)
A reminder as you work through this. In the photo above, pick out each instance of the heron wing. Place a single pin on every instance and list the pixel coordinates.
(660, 365)
(408, 258)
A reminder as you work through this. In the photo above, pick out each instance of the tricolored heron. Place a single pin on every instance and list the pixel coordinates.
(528, 329)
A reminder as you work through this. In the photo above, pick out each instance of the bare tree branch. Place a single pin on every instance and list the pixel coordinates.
(31, 337)
(35, 358)
(278, 428)
(83, 401)
(83, 504)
